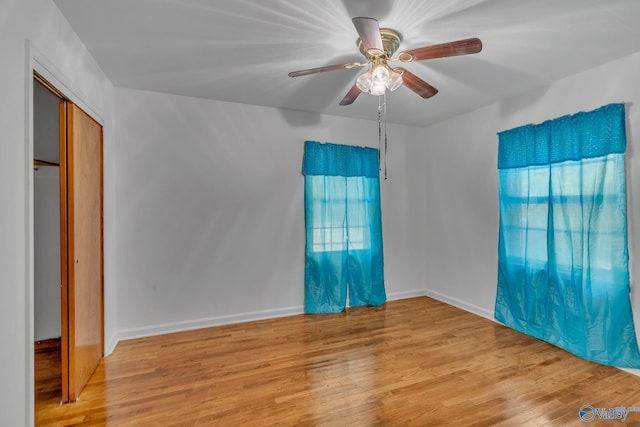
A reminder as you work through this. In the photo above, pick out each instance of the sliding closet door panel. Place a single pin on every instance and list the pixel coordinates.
(85, 248)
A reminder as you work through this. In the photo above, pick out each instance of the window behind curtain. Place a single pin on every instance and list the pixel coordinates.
(563, 263)
(346, 195)
(344, 254)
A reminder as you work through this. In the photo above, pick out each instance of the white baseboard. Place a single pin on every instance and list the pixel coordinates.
(461, 304)
(111, 345)
(167, 328)
(406, 294)
(631, 371)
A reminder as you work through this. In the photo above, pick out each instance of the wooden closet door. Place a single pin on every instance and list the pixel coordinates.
(85, 248)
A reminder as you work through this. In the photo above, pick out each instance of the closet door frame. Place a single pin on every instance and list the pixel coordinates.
(71, 384)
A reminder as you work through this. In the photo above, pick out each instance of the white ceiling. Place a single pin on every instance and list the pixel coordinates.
(242, 50)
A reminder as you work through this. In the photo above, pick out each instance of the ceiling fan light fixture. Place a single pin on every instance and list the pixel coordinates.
(380, 78)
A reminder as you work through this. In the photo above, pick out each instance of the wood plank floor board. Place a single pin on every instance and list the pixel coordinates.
(413, 362)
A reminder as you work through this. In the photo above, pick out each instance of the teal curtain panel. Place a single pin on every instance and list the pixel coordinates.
(344, 256)
(563, 273)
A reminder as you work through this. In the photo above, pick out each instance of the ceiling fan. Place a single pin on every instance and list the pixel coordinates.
(378, 45)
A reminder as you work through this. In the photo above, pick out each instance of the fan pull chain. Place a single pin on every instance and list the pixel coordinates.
(379, 134)
(384, 113)
(382, 123)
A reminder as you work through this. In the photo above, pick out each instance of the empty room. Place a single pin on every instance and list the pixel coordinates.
(350, 212)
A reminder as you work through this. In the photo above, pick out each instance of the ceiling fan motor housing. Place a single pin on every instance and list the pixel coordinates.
(390, 41)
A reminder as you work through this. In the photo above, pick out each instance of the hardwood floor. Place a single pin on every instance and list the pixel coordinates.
(413, 362)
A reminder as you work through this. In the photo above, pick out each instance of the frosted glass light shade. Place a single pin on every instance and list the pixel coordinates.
(378, 89)
(380, 75)
(395, 80)
(364, 81)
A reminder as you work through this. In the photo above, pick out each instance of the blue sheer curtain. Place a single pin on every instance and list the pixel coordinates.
(343, 228)
(563, 263)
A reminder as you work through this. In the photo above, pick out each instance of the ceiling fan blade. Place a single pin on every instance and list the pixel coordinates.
(351, 96)
(460, 47)
(416, 84)
(369, 32)
(322, 69)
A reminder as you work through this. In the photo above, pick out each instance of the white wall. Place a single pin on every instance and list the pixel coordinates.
(46, 220)
(33, 29)
(454, 164)
(46, 253)
(46, 124)
(211, 209)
